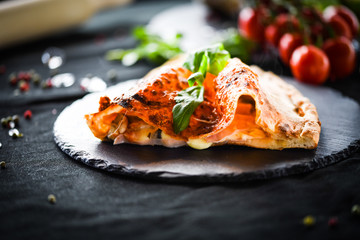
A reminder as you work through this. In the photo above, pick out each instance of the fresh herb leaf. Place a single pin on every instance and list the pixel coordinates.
(213, 60)
(151, 47)
(218, 58)
(215, 56)
(237, 45)
(320, 5)
(186, 102)
(196, 77)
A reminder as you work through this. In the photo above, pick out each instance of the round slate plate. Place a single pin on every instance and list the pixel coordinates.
(339, 138)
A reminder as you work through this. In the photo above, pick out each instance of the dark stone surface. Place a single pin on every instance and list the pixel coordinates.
(339, 139)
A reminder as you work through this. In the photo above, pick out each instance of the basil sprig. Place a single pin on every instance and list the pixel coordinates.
(213, 60)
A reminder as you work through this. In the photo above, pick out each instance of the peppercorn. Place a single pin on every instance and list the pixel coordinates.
(52, 199)
(11, 124)
(14, 133)
(13, 79)
(333, 222)
(21, 75)
(8, 119)
(16, 119)
(24, 86)
(355, 210)
(4, 122)
(27, 76)
(28, 114)
(36, 78)
(3, 164)
(309, 221)
(49, 83)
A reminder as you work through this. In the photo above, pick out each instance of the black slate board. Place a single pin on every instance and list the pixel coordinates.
(339, 138)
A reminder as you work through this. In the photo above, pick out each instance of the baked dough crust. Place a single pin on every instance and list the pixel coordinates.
(284, 112)
(281, 116)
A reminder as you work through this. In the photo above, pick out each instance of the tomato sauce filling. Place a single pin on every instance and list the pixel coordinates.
(243, 125)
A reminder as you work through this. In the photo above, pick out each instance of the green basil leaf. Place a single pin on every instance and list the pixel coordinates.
(196, 77)
(218, 58)
(216, 55)
(194, 60)
(186, 102)
(213, 60)
(203, 68)
(237, 45)
(150, 46)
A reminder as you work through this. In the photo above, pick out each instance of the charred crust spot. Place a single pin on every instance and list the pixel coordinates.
(158, 84)
(231, 82)
(153, 103)
(153, 92)
(284, 127)
(104, 103)
(299, 111)
(154, 119)
(140, 98)
(125, 103)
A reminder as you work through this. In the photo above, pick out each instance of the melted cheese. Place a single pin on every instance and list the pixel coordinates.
(242, 128)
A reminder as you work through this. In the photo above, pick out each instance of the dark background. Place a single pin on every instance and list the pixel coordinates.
(96, 204)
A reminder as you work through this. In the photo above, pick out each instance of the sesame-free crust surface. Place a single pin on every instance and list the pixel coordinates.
(339, 138)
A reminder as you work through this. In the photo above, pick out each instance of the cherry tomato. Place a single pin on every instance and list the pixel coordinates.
(273, 34)
(346, 14)
(310, 64)
(250, 24)
(287, 23)
(283, 23)
(342, 57)
(339, 25)
(287, 44)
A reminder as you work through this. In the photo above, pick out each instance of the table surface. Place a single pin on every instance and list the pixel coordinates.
(95, 204)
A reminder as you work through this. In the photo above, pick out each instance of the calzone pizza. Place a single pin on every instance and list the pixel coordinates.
(201, 102)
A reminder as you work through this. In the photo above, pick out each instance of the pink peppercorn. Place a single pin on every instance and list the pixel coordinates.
(24, 86)
(49, 83)
(26, 76)
(27, 114)
(13, 79)
(333, 222)
(21, 76)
